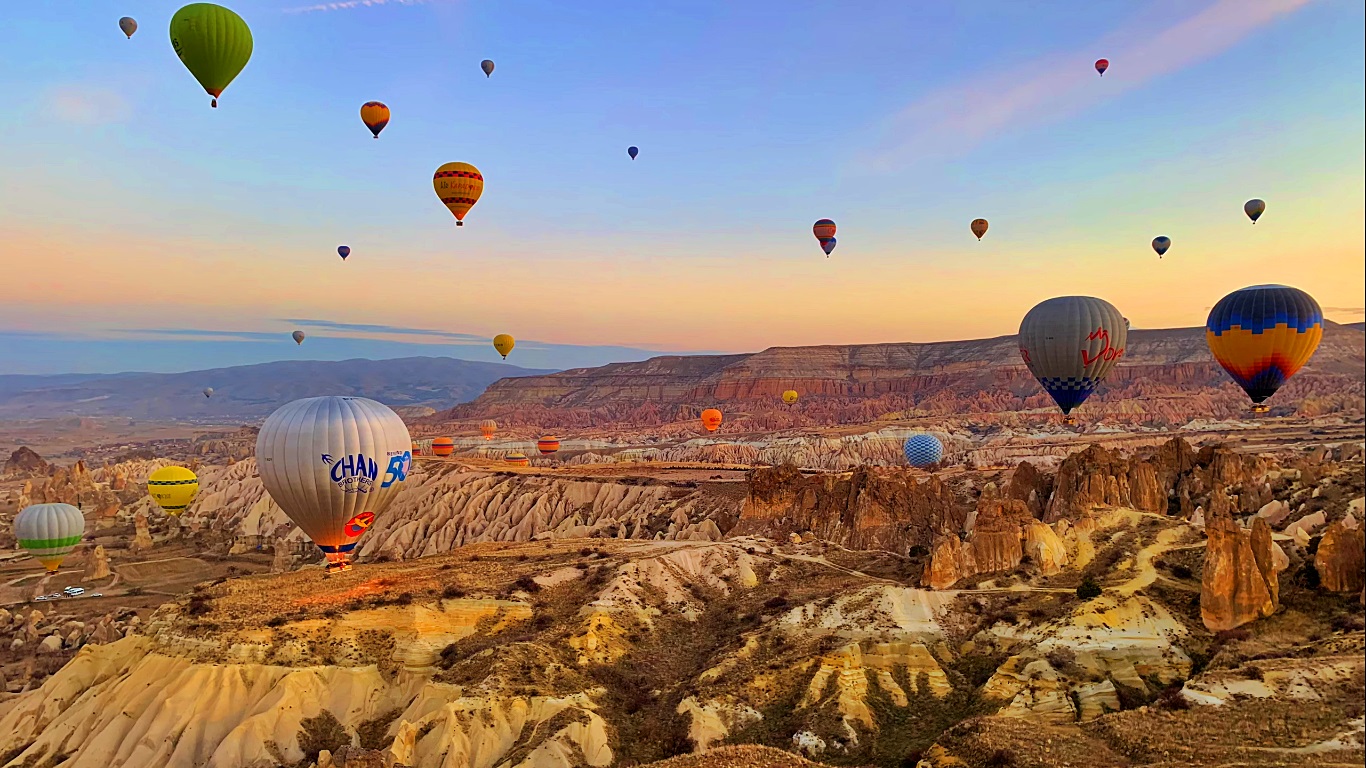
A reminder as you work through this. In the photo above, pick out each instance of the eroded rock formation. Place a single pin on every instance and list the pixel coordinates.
(1240, 583)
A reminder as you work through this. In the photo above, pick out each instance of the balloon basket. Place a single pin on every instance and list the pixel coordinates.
(1260, 409)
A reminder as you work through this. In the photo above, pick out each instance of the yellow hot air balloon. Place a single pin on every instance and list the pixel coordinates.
(503, 343)
(790, 396)
(173, 488)
(459, 186)
(375, 116)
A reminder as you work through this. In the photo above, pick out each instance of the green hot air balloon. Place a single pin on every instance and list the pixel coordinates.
(213, 43)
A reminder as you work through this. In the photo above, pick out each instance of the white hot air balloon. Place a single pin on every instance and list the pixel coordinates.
(49, 532)
(208, 391)
(333, 464)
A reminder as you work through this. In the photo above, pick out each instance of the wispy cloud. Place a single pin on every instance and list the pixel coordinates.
(955, 119)
(346, 5)
(200, 334)
(1346, 310)
(85, 104)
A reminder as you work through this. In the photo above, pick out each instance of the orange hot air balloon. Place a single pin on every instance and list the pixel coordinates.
(459, 186)
(979, 227)
(823, 229)
(517, 459)
(487, 427)
(375, 116)
(548, 445)
(443, 446)
(711, 419)
(417, 449)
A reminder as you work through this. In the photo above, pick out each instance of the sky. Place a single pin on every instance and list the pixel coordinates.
(142, 230)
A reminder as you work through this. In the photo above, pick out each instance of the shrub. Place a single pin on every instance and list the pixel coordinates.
(527, 584)
(1171, 698)
(1088, 589)
(452, 592)
(1182, 572)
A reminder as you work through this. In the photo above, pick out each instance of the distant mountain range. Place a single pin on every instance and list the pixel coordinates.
(250, 391)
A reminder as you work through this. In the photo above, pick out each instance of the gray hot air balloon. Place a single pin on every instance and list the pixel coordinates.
(1070, 343)
(1254, 209)
(208, 391)
(49, 532)
(1160, 244)
(128, 26)
(487, 66)
(298, 337)
(333, 464)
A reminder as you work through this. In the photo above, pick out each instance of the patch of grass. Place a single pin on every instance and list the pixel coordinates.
(374, 733)
(319, 733)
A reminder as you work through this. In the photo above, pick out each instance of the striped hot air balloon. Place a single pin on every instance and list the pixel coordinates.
(517, 459)
(417, 449)
(487, 428)
(49, 532)
(443, 446)
(548, 445)
(459, 186)
(922, 450)
(1263, 334)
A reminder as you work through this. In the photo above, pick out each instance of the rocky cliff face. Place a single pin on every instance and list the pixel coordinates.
(1240, 582)
(1341, 559)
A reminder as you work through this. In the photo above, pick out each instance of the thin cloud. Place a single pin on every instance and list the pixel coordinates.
(1346, 310)
(347, 5)
(84, 104)
(200, 334)
(955, 119)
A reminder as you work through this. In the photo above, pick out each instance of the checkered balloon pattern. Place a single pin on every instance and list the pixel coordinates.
(923, 450)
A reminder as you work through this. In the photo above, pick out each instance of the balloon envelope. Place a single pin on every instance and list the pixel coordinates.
(208, 391)
(517, 459)
(173, 488)
(922, 450)
(298, 337)
(443, 446)
(711, 419)
(823, 228)
(487, 66)
(213, 43)
(375, 115)
(49, 532)
(1102, 65)
(343, 251)
(333, 464)
(1161, 244)
(459, 186)
(790, 396)
(1263, 334)
(979, 227)
(504, 344)
(487, 427)
(1254, 209)
(1070, 343)
(828, 244)
(548, 445)
(633, 151)
(128, 26)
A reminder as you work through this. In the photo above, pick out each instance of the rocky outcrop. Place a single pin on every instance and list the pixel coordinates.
(1340, 560)
(994, 545)
(97, 567)
(25, 462)
(1096, 478)
(142, 537)
(1045, 548)
(1240, 583)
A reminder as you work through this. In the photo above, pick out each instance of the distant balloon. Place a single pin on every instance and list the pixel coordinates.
(333, 464)
(487, 428)
(504, 344)
(823, 228)
(487, 66)
(459, 186)
(922, 450)
(790, 396)
(208, 391)
(128, 26)
(298, 337)
(633, 151)
(343, 251)
(1161, 244)
(548, 445)
(417, 449)
(711, 419)
(173, 489)
(1254, 209)
(49, 532)
(375, 115)
(979, 227)
(517, 459)
(213, 43)
(1070, 343)
(443, 446)
(1102, 65)
(1263, 335)
(828, 244)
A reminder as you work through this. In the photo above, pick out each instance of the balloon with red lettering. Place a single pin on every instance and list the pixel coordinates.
(711, 419)
(333, 464)
(1070, 344)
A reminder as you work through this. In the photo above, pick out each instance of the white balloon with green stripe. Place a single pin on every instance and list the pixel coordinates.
(49, 532)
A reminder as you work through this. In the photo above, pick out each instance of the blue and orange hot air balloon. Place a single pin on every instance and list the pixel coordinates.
(1263, 334)
(375, 115)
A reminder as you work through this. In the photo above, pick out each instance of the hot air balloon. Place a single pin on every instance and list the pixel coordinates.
(333, 464)
(1263, 334)
(979, 227)
(828, 244)
(923, 449)
(298, 337)
(633, 151)
(128, 26)
(1070, 343)
(487, 427)
(548, 445)
(49, 532)
(504, 344)
(417, 449)
(213, 43)
(790, 396)
(208, 391)
(375, 115)
(443, 446)
(487, 66)
(1102, 65)
(517, 459)
(1161, 244)
(343, 251)
(1254, 209)
(459, 186)
(173, 489)
(711, 419)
